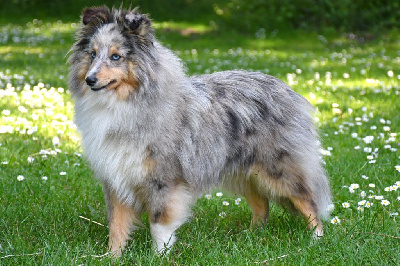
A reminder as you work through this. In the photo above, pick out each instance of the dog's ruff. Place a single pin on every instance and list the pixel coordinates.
(157, 139)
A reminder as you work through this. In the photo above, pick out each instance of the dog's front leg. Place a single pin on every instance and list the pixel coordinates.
(167, 215)
(121, 220)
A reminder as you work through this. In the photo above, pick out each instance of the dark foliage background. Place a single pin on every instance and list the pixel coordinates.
(245, 15)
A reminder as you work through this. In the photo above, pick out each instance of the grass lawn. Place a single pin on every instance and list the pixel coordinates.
(52, 211)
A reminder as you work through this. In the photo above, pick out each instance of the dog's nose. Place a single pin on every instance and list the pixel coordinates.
(91, 81)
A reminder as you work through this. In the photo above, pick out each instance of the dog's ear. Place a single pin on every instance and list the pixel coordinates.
(96, 15)
(137, 23)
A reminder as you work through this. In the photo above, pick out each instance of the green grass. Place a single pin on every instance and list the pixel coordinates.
(350, 83)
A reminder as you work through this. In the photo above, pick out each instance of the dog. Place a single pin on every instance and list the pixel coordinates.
(158, 139)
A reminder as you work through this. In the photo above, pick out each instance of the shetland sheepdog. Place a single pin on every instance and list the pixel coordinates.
(158, 139)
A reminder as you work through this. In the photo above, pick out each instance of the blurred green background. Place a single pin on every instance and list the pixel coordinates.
(373, 16)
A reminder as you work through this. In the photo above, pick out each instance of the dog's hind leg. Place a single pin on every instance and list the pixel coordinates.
(168, 216)
(297, 192)
(258, 203)
(260, 209)
(121, 219)
(307, 208)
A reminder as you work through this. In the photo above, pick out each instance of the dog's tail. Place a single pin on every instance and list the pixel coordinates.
(309, 154)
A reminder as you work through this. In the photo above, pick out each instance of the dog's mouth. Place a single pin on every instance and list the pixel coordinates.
(104, 87)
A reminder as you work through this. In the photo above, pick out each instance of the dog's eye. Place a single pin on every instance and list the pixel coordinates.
(93, 54)
(115, 57)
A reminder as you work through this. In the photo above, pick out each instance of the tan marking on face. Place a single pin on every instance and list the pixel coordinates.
(124, 81)
(113, 50)
(128, 83)
(106, 75)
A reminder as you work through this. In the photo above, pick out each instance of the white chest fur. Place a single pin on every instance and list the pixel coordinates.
(115, 154)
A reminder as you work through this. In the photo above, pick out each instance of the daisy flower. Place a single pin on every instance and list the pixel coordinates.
(20, 178)
(362, 203)
(335, 220)
(331, 207)
(237, 201)
(354, 186)
(6, 112)
(56, 141)
(368, 204)
(368, 139)
(219, 194)
(44, 178)
(367, 149)
(346, 205)
(208, 196)
(225, 203)
(360, 208)
(385, 202)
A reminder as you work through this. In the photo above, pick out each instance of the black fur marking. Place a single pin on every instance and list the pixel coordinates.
(235, 155)
(234, 124)
(281, 155)
(275, 173)
(279, 121)
(262, 109)
(96, 15)
(314, 206)
(184, 120)
(156, 216)
(159, 185)
(301, 189)
(83, 43)
(133, 20)
(250, 131)
(220, 91)
(249, 159)
(264, 112)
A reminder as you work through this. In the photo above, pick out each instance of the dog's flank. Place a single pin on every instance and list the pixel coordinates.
(158, 139)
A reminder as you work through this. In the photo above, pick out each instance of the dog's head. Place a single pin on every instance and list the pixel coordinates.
(111, 46)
